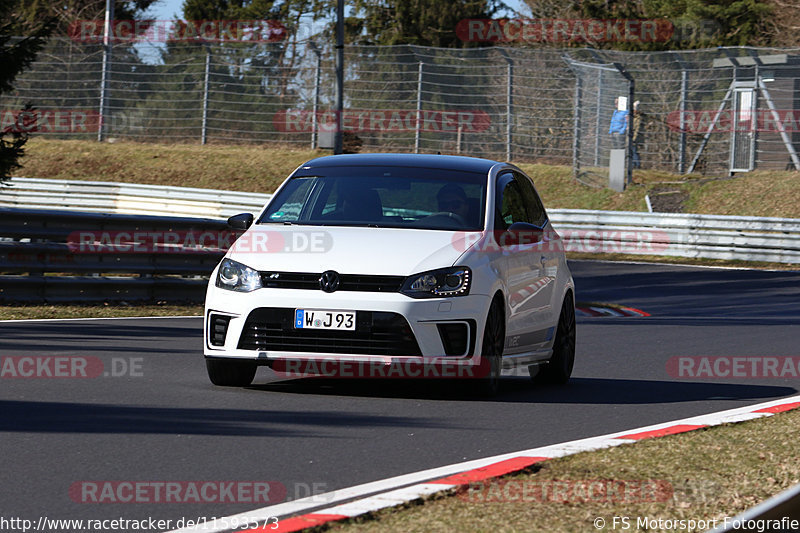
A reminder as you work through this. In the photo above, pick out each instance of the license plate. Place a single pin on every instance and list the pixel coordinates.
(324, 319)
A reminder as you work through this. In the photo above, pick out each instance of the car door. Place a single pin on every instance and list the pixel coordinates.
(549, 248)
(529, 287)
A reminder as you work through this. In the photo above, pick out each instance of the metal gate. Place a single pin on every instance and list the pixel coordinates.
(602, 102)
(743, 128)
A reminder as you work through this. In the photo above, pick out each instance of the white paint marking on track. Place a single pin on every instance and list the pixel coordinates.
(686, 265)
(360, 499)
(95, 318)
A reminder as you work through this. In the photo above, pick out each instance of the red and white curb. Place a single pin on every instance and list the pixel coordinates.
(369, 497)
(602, 309)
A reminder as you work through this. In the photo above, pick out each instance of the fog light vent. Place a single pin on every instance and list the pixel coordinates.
(455, 337)
(218, 329)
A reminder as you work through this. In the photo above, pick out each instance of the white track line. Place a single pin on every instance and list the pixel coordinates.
(360, 499)
(95, 318)
(687, 265)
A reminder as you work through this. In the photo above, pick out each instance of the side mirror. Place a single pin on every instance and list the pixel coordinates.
(241, 221)
(521, 234)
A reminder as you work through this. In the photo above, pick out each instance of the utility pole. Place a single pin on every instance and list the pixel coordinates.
(338, 141)
(106, 73)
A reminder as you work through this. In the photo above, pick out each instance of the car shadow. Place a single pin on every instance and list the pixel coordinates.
(66, 417)
(594, 391)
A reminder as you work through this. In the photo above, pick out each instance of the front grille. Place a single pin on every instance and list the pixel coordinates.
(347, 282)
(218, 329)
(377, 333)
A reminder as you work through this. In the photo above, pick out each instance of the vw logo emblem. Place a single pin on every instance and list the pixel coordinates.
(329, 281)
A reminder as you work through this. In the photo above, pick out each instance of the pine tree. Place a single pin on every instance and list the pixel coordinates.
(420, 22)
(15, 56)
(248, 80)
(687, 24)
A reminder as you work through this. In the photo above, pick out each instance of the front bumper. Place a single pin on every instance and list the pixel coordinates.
(228, 334)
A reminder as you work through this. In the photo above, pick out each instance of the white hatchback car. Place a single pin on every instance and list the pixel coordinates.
(394, 265)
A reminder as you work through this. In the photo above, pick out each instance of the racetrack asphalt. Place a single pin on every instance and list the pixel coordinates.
(166, 422)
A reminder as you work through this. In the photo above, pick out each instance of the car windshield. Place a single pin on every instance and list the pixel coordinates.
(382, 197)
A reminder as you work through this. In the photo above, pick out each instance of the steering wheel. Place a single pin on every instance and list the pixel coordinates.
(456, 217)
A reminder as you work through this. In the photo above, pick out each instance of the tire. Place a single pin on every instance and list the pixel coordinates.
(559, 369)
(492, 352)
(226, 373)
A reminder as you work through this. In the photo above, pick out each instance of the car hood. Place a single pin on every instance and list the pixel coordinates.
(348, 250)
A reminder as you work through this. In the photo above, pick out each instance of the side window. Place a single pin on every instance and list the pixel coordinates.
(533, 204)
(332, 202)
(296, 195)
(511, 203)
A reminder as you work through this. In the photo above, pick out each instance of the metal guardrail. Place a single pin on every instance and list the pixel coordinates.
(59, 256)
(680, 235)
(775, 514)
(37, 239)
(127, 198)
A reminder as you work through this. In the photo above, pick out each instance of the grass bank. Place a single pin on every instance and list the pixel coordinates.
(20, 312)
(263, 168)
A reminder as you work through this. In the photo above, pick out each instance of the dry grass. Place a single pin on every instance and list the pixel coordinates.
(262, 168)
(712, 474)
(18, 312)
(238, 167)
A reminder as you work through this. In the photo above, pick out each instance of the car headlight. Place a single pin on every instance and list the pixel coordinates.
(453, 281)
(235, 276)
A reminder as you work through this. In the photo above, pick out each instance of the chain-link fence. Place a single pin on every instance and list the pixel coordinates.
(702, 110)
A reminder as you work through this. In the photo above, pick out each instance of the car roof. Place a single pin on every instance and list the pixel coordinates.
(446, 162)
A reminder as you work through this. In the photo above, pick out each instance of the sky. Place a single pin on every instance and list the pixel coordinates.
(168, 9)
(165, 9)
(171, 9)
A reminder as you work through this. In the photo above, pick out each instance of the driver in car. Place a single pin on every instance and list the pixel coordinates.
(453, 199)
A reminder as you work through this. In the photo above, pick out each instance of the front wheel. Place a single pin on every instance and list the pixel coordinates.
(227, 373)
(559, 369)
(492, 352)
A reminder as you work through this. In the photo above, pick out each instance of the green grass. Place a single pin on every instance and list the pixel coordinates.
(712, 473)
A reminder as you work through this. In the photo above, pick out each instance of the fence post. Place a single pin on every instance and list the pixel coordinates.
(629, 128)
(509, 108)
(316, 96)
(682, 108)
(106, 74)
(419, 108)
(682, 146)
(204, 132)
(598, 108)
(338, 134)
(576, 127)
